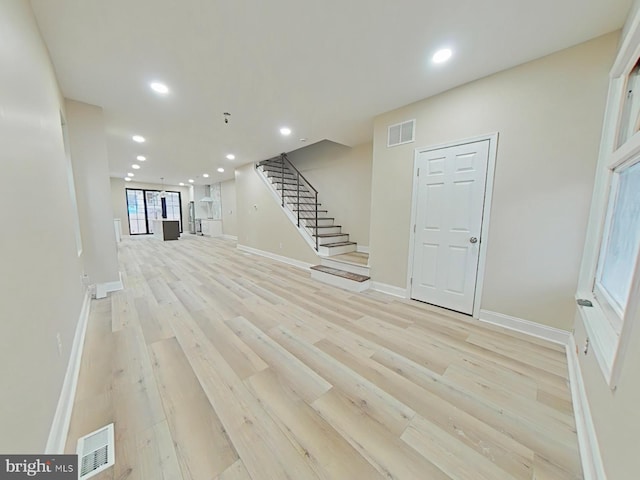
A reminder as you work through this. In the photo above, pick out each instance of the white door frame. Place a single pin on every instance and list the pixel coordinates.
(486, 212)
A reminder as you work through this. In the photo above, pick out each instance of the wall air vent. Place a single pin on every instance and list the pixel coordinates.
(401, 133)
(96, 452)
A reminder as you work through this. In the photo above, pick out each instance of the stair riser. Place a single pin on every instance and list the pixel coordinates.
(336, 230)
(340, 282)
(277, 176)
(293, 195)
(276, 173)
(328, 251)
(347, 267)
(310, 222)
(334, 239)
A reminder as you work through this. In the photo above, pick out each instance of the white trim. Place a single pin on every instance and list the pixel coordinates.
(62, 418)
(340, 282)
(592, 466)
(362, 248)
(389, 289)
(273, 256)
(102, 289)
(534, 329)
(486, 211)
(230, 237)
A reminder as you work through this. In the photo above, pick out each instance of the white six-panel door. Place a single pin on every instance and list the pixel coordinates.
(448, 222)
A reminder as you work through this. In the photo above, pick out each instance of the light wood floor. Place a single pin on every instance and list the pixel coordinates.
(216, 364)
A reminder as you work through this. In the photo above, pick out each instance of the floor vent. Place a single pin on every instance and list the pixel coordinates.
(96, 452)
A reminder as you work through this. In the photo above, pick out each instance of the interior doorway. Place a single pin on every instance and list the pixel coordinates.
(450, 211)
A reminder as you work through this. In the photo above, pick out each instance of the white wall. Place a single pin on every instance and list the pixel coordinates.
(40, 288)
(261, 222)
(88, 146)
(229, 207)
(119, 200)
(342, 176)
(548, 113)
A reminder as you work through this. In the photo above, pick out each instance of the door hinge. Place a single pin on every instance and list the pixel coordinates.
(414, 228)
(418, 172)
(411, 281)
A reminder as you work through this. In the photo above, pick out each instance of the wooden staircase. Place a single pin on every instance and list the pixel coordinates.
(299, 199)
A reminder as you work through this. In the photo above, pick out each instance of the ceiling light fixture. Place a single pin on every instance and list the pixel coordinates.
(127, 179)
(160, 88)
(221, 170)
(138, 138)
(129, 174)
(181, 184)
(191, 180)
(205, 175)
(231, 156)
(285, 131)
(136, 166)
(442, 55)
(142, 158)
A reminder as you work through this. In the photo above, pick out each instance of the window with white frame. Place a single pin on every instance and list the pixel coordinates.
(620, 242)
(610, 274)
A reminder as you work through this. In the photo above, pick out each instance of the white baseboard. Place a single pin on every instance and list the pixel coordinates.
(62, 418)
(552, 334)
(102, 289)
(592, 466)
(362, 248)
(389, 289)
(273, 256)
(230, 237)
(340, 282)
(534, 329)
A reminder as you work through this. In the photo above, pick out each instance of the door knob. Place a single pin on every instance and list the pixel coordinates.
(473, 240)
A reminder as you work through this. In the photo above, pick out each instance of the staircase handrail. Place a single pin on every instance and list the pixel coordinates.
(285, 161)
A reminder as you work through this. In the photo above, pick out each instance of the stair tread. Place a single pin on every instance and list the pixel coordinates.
(338, 244)
(326, 226)
(341, 273)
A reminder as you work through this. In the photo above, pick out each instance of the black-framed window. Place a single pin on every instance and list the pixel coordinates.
(145, 205)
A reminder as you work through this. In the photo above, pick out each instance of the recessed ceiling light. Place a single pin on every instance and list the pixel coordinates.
(138, 138)
(136, 166)
(442, 55)
(127, 179)
(191, 180)
(205, 175)
(303, 140)
(221, 170)
(285, 131)
(142, 158)
(231, 156)
(130, 174)
(159, 88)
(181, 184)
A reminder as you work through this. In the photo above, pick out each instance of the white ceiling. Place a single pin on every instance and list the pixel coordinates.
(323, 68)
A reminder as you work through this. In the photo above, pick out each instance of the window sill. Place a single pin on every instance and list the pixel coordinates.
(603, 339)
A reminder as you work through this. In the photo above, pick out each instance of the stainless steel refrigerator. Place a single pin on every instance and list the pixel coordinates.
(192, 217)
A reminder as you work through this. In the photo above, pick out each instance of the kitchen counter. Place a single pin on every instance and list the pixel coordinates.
(166, 229)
